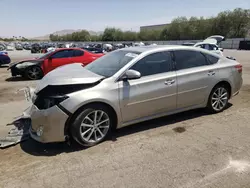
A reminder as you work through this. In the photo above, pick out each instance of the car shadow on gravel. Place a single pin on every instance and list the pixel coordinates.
(38, 149)
(163, 121)
(4, 66)
(16, 79)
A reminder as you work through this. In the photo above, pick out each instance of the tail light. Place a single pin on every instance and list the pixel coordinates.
(239, 68)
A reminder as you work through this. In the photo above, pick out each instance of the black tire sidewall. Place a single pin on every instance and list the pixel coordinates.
(209, 105)
(76, 123)
(27, 74)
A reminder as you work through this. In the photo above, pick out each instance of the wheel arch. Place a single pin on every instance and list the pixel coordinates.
(74, 115)
(225, 83)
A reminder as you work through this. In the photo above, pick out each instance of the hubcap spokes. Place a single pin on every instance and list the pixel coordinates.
(95, 126)
(34, 72)
(219, 99)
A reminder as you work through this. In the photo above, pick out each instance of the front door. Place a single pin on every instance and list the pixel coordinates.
(58, 59)
(196, 76)
(154, 92)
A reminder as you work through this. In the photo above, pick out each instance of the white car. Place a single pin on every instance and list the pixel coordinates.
(211, 44)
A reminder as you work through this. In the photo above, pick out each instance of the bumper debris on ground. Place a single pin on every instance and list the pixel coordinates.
(19, 132)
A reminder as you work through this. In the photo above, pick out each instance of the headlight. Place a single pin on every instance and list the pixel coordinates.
(48, 102)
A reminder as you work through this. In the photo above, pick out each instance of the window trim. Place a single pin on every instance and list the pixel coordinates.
(78, 50)
(172, 65)
(208, 62)
(61, 51)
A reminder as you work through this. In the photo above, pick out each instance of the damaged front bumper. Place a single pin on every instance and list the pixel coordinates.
(42, 125)
(48, 125)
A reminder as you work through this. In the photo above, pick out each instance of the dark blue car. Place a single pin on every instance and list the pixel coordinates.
(4, 58)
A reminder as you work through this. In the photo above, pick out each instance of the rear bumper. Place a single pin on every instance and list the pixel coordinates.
(5, 61)
(235, 93)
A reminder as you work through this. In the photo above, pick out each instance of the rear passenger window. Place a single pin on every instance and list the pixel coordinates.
(156, 63)
(78, 53)
(189, 59)
(211, 59)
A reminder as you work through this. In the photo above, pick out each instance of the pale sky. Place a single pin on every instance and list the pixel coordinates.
(32, 18)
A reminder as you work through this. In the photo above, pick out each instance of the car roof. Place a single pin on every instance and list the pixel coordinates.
(159, 47)
(59, 49)
(142, 49)
(204, 43)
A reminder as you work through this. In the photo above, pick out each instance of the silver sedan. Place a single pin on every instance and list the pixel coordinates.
(128, 86)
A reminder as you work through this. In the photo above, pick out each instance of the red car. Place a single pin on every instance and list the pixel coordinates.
(36, 68)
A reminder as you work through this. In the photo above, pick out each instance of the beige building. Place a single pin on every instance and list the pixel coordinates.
(153, 27)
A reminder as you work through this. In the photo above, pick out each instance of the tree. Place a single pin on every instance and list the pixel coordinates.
(109, 34)
(230, 24)
(130, 36)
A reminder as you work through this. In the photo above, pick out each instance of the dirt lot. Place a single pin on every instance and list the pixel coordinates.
(191, 149)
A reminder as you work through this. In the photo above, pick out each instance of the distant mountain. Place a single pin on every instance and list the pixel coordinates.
(65, 32)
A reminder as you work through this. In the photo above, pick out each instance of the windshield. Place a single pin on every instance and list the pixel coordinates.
(45, 55)
(110, 63)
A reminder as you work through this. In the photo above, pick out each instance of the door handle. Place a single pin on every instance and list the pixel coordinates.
(169, 82)
(211, 73)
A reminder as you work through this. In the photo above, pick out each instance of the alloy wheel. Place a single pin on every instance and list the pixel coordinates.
(34, 73)
(95, 126)
(219, 98)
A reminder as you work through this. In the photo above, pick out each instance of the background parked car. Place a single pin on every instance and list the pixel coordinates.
(35, 48)
(244, 45)
(19, 46)
(211, 47)
(188, 44)
(27, 46)
(93, 49)
(4, 58)
(36, 68)
(10, 47)
(2, 46)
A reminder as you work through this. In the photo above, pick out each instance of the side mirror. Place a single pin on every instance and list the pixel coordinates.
(131, 75)
(50, 57)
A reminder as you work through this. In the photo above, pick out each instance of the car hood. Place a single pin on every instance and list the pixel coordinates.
(26, 60)
(67, 75)
(215, 39)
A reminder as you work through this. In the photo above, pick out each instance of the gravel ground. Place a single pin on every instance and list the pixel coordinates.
(191, 149)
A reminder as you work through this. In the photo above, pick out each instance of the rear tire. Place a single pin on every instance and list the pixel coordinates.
(92, 125)
(218, 99)
(33, 73)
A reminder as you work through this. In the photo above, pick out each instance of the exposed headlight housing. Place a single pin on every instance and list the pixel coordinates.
(45, 102)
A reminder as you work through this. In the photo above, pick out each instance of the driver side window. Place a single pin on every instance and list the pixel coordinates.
(156, 63)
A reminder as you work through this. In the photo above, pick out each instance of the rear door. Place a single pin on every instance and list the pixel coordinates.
(59, 58)
(78, 56)
(196, 76)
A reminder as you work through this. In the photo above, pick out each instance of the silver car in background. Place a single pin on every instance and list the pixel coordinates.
(128, 86)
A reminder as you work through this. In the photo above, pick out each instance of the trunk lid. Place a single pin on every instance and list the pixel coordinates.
(215, 39)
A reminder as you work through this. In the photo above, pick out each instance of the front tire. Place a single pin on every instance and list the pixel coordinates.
(92, 125)
(218, 99)
(33, 73)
